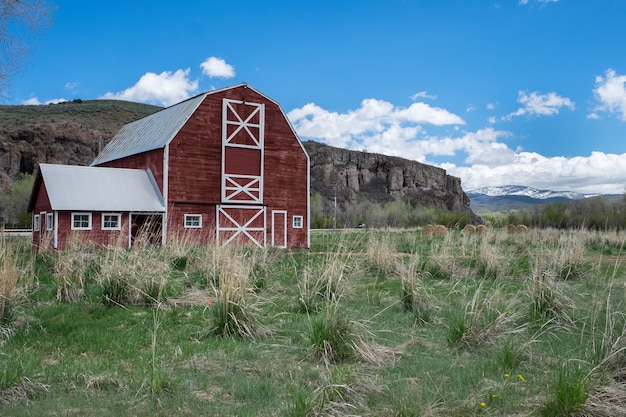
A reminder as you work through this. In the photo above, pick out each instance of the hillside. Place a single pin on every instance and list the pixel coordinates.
(72, 133)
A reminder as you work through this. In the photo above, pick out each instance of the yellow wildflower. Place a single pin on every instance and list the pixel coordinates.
(483, 404)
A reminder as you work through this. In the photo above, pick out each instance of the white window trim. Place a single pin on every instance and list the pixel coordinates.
(119, 221)
(49, 221)
(189, 216)
(81, 214)
(300, 220)
(36, 223)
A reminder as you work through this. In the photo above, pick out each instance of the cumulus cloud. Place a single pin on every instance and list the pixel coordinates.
(34, 101)
(483, 156)
(166, 88)
(597, 173)
(535, 104)
(215, 67)
(610, 91)
(373, 120)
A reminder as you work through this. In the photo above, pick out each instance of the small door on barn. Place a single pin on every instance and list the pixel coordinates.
(146, 228)
(242, 152)
(243, 225)
(279, 228)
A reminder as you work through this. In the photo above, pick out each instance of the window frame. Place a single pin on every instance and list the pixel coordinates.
(81, 213)
(36, 223)
(297, 222)
(49, 221)
(189, 217)
(119, 221)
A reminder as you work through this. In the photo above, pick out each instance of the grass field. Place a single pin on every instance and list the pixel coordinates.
(371, 323)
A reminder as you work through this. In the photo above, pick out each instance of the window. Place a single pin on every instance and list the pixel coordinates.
(81, 221)
(111, 221)
(49, 221)
(297, 222)
(36, 223)
(193, 221)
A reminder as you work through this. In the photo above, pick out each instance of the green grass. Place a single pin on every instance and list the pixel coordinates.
(487, 348)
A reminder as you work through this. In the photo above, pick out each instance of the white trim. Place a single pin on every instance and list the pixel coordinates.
(56, 229)
(191, 216)
(284, 215)
(81, 213)
(36, 223)
(49, 221)
(119, 221)
(166, 185)
(300, 221)
(251, 189)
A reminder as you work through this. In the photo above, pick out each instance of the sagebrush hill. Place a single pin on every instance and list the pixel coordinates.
(72, 133)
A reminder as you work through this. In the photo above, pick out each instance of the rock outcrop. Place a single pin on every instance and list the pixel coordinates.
(351, 175)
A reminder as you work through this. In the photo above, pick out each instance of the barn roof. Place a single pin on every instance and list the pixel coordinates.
(158, 129)
(72, 187)
(149, 133)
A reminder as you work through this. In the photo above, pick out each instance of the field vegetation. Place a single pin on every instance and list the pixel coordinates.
(369, 322)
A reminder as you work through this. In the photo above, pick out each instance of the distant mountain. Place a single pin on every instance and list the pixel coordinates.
(515, 197)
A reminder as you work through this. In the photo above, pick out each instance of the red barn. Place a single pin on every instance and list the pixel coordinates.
(226, 167)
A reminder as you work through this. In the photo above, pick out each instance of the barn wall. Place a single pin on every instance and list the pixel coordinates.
(94, 237)
(42, 204)
(286, 174)
(151, 159)
(176, 223)
(195, 157)
(195, 162)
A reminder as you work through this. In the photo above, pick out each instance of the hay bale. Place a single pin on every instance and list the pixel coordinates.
(428, 230)
(469, 229)
(521, 228)
(511, 228)
(481, 229)
(440, 230)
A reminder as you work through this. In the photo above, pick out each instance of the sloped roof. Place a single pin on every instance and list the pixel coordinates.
(149, 133)
(77, 188)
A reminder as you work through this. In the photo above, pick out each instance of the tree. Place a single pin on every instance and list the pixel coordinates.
(14, 202)
(20, 21)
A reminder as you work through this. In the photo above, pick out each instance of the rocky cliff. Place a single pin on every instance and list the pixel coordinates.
(353, 175)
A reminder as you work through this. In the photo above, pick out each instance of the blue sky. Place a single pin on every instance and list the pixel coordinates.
(528, 92)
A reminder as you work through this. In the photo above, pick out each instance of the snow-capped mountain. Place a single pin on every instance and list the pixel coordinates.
(520, 190)
(511, 197)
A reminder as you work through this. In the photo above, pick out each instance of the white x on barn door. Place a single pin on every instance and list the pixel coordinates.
(241, 224)
(242, 151)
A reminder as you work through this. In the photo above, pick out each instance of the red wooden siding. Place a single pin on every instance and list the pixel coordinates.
(151, 159)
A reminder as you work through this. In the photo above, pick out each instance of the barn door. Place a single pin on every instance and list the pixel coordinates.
(241, 224)
(279, 228)
(242, 152)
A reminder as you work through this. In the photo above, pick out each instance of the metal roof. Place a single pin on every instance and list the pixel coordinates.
(149, 133)
(101, 189)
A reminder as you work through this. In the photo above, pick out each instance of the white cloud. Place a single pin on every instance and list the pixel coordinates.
(423, 94)
(610, 91)
(524, 2)
(535, 104)
(373, 120)
(72, 85)
(483, 156)
(166, 88)
(215, 67)
(596, 173)
(34, 101)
